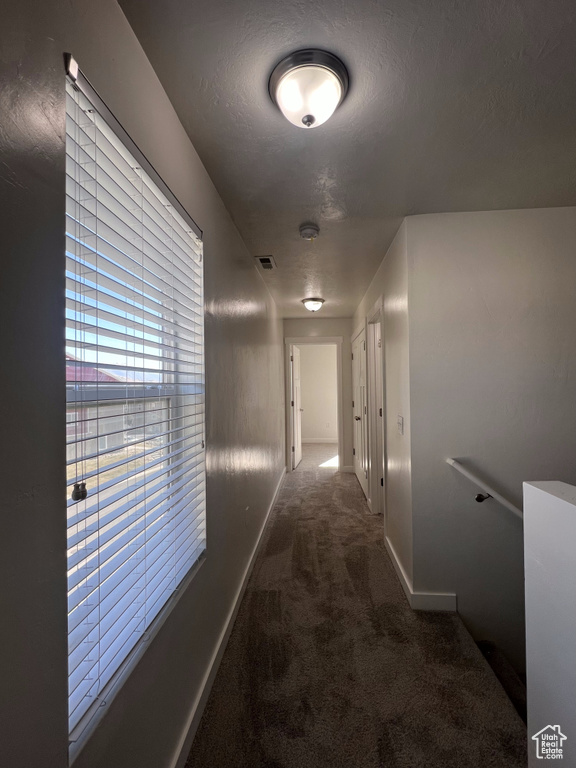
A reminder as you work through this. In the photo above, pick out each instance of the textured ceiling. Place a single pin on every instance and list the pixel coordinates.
(453, 106)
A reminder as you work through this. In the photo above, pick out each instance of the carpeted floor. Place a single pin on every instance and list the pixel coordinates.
(319, 456)
(328, 667)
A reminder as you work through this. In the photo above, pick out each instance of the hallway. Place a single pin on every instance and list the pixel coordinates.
(328, 666)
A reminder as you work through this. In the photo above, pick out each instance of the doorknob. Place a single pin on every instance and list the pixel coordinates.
(358, 418)
(301, 410)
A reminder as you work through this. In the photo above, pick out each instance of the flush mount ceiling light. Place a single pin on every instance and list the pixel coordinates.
(307, 86)
(313, 304)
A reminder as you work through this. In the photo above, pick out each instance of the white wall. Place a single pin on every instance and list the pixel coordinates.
(479, 319)
(391, 284)
(550, 568)
(492, 377)
(318, 326)
(318, 371)
(146, 722)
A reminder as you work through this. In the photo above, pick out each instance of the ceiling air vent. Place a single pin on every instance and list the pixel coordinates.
(266, 262)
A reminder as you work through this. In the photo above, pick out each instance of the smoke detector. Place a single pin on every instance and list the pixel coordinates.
(309, 231)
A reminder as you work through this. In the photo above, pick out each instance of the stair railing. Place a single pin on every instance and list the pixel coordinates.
(489, 493)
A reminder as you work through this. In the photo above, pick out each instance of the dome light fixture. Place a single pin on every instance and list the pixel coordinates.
(313, 304)
(307, 86)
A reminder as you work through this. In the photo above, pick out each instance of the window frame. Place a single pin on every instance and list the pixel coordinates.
(79, 735)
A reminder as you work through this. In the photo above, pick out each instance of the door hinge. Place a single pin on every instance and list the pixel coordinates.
(352, 355)
(291, 358)
(364, 346)
(292, 404)
(353, 451)
(382, 482)
(292, 449)
(380, 410)
(364, 409)
(352, 403)
(379, 343)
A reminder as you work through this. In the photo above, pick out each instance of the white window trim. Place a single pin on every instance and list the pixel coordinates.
(80, 735)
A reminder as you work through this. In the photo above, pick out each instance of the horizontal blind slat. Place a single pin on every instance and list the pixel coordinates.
(158, 407)
(145, 318)
(105, 153)
(133, 438)
(133, 457)
(125, 316)
(114, 587)
(82, 284)
(139, 491)
(85, 558)
(125, 171)
(83, 328)
(124, 261)
(85, 210)
(83, 588)
(119, 216)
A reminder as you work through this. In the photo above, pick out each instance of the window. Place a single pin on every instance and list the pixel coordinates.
(135, 398)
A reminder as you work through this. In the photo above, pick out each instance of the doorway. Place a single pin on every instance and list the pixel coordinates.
(369, 411)
(314, 397)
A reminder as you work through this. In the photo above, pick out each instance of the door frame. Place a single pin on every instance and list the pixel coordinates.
(376, 381)
(317, 341)
(360, 358)
(296, 404)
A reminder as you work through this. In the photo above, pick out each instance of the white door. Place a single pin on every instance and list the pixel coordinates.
(376, 405)
(360, 410)
(296, 408)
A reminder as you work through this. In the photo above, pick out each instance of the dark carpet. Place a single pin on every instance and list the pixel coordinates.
(328, 667)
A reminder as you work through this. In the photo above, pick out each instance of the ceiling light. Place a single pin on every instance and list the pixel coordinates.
(313, 304)
(307, 86)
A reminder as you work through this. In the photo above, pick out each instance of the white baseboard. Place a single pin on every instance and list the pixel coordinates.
(185, 743)
(434, 601)
(347, 469)
(420, 601)
(320, 440)
(403, 577)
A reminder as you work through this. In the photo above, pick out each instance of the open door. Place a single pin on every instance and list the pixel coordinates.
(296, 406)
(360, 411)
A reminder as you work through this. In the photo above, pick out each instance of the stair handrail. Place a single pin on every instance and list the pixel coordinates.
(486, 488)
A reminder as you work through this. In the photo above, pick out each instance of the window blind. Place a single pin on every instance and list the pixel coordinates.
(135, 401)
